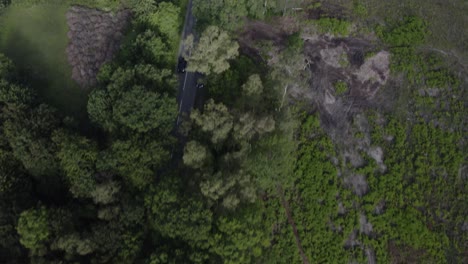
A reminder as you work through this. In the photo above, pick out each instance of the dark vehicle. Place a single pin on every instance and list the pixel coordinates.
(200, 86)
(181, 65)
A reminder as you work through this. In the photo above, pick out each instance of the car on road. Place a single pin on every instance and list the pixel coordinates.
(200, 86)
(181, 65)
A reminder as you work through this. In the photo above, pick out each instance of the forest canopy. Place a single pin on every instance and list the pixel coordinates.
(317, 132)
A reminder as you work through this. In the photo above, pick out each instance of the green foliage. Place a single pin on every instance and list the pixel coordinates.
(215, 120)
(73, 244)
(440, 78)
(78, 158)
(230, 14)
(153, 48)
(318, 187)
(195, 155)
(242, 238)
(136, 160)
(212, 52)
(226, 13)
(135, 106)
(106, 192)
(176, 216)
(28, 134)
(227, 86)
(315, 5)
(33, 228)
(334, 26)
(295, 42)
(143, 111)
(423, 163)
(272, 160)
(225, 203)
(412, 31)
(166, 18)
(253, 86)
(138, 99)
(403, 38)
(425, 72)
(359, 9)
(341, 88)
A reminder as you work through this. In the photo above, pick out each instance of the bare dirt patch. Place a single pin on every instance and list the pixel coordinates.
(94, 37)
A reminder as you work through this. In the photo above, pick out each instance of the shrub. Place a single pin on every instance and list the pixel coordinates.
(334, 26)
(412, 31)
(341, 87)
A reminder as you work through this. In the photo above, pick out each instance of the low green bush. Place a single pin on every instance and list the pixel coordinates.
(334, 26)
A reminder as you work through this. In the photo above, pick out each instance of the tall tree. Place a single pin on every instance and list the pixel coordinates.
(167, 19)
(136, 160)
(212, 52)
(34, 230)
(178, 216)
(195, 155)
(142, 110)
(29, 135)
(215, 120)
(139, 99)
(78, 158)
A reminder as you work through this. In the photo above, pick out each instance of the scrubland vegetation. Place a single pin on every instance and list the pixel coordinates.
(262, 176)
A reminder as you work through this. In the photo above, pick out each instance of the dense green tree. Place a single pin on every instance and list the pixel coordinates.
(241, 238)
(14, 96)
(142, 8)
(73, 244)
(138, 99)
(195, 155)
(143, 111)
(78, 158)
(177, 216)
(229, 187)
(249, 125)
(100, 109)
(410, 32)
(253, 86)
(215, 120)
(153, 48)
(33, 228)
(105, 192)
(230, 14)
(29, 136)
(166, 18)
(272, 158)
(212, 52)
(136, 160)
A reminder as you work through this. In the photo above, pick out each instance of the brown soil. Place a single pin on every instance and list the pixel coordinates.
(94, 38)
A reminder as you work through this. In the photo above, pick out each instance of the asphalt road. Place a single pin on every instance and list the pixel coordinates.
(187, 80)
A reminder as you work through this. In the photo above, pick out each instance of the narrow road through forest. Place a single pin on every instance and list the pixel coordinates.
(187, 80)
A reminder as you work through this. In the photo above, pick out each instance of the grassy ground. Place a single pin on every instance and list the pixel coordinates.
(447, 20)
(35, 38)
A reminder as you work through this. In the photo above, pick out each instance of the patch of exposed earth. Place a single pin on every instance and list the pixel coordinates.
(328, 61)
(94, 37)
